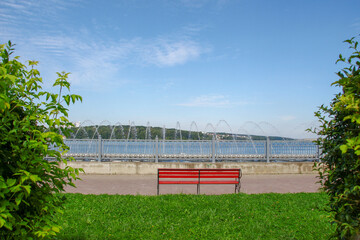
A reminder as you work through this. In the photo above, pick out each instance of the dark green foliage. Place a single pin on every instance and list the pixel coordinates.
(339, 142)
(233, 216)
(31, 121)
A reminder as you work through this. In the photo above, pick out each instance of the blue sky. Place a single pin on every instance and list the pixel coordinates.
(252, 63)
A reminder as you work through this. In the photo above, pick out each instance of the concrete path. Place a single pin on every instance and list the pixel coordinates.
(147, 185)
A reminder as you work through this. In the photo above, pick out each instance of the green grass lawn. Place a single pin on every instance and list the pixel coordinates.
(241, 216)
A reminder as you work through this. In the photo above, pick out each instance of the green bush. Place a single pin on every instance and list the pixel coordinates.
(31, 123)
(339, 141)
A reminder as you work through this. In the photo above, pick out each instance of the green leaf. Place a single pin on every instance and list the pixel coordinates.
(2, 185)
(56, 229)
(34, 178)
(67, 99)
(10, 182)
(8, 225)
(23, 179)
(343, 148)
(18, 199)
(27, 188)
(15, 189)
(2, 222)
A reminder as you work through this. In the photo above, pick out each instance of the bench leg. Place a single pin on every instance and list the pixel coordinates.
(158, 182)
(198, 189)
(237, 187)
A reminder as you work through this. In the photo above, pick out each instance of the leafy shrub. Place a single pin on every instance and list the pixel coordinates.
(339, 141)
(31, 123)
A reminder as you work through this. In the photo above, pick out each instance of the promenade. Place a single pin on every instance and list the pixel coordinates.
(147, 185)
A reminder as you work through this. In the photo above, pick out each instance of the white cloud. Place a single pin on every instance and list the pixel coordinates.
(164, 53)
(195, 4)
(18, 6)
(95, 64)
(35, 9)
(92, 59)
(168, 85)
(287, 118)
(356, 24)
(211, 101)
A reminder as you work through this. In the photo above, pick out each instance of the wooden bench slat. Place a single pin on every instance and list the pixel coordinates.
(222, 176)
(219, 182)
(180, 172)
(178, 176)
(178, 182)
(216, 171)
(219, 173)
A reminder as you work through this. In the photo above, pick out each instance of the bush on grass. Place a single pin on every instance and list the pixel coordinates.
(339, 142)
(31, 122)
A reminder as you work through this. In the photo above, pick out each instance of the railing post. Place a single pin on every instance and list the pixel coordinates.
(213, 150)
(99, 148)
(267, 149)
(156, 149)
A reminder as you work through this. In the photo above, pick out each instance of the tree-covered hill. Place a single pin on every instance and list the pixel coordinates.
(143, 132)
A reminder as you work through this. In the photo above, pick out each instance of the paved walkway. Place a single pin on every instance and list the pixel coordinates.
(147, 184)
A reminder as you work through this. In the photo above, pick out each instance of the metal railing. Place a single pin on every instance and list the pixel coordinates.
(192, 150)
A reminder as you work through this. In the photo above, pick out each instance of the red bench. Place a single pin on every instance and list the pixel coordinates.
(199, 176)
